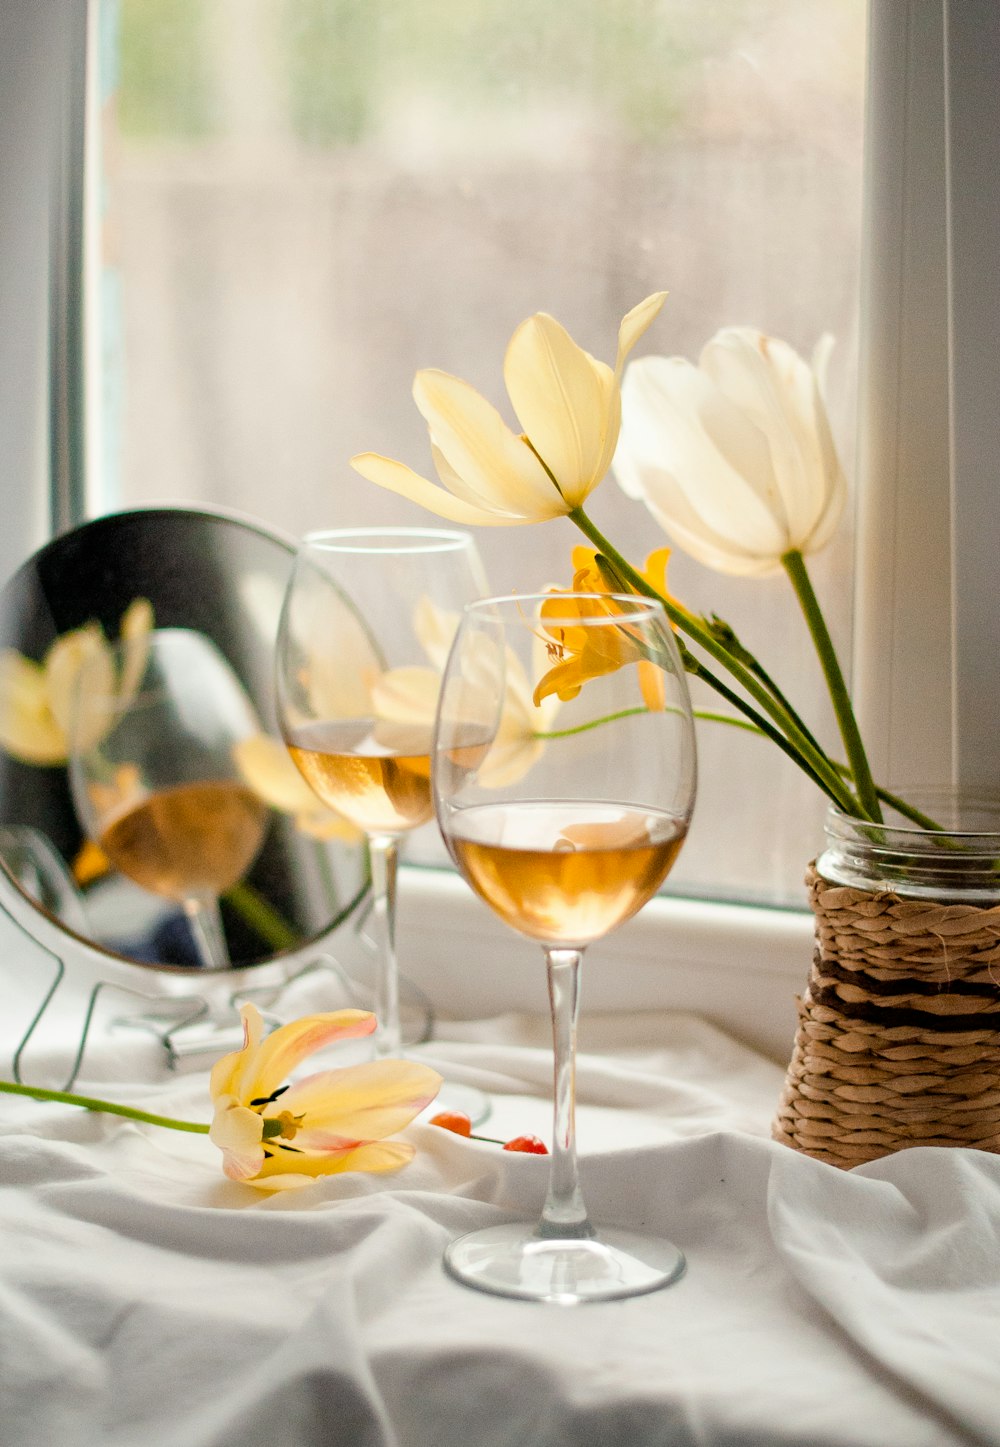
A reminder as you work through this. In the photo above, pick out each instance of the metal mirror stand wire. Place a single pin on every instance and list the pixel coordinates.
(175, 1022)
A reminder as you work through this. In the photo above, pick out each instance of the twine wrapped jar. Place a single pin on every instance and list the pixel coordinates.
(898, 1041)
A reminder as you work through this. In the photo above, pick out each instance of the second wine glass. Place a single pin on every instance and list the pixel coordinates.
(564, 779)
(367, 622)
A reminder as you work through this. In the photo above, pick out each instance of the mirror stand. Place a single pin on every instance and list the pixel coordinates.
(195, 1015)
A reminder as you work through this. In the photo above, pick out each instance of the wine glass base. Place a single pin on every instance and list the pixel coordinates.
(514, 1261)
(464, 1099)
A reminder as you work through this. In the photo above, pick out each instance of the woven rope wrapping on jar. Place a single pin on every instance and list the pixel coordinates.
(898, 1041)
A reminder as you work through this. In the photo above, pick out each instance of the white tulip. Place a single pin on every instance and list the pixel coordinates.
(734, 457)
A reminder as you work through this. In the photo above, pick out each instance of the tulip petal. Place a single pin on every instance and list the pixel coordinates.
(398, 478)
(761, 377)
(280, 1052)
(435, 628)
(508, 761)
(266, 766)
(237, 1132)
(371, 1158)
(226, 1072)
(634, 324)
(358, 1102)
(703, 469)
(407, 695)
(828, 519)
(500, 468)
(134, 630)
(561, 396)
(27, 728)
(81, 648)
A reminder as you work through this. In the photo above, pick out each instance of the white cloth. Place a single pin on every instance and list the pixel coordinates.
(145, 1301)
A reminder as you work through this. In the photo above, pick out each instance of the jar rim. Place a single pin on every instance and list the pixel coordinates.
(842, 825)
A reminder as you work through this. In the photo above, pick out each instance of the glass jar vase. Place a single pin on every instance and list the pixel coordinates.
(898, 1040)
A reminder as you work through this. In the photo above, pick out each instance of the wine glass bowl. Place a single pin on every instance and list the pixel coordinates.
(367, 622)
(564, 779)
(154, 775)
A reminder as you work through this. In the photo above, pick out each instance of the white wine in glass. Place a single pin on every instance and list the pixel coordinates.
(154, 774)
(368, 618)
(564, 780)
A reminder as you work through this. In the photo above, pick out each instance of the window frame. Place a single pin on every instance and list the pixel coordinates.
(928, 434)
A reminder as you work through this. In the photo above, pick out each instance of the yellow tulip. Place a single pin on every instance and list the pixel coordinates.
(734, 458)
(568, 404)
(37, 699)
(280, 1137)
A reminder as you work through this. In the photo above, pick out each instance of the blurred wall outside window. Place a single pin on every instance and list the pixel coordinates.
(303, 201)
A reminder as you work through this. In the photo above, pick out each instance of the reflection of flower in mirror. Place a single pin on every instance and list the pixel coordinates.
(266, 767)
(37, 700)
(280, 1136)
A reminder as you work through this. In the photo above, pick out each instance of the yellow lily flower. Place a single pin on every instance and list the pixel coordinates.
(266, 767)
(280, 1137)
(37, 699)
(584, 653)
(568, 404)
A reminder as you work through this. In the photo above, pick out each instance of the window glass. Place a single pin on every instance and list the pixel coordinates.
(303, 201)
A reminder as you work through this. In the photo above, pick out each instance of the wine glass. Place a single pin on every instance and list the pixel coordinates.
(154, 776)
(368, 618)
(564, 779)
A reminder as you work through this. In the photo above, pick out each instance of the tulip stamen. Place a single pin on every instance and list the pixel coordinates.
(543, 464)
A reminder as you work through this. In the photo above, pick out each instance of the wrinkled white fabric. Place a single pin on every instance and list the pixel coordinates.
(145, 1301)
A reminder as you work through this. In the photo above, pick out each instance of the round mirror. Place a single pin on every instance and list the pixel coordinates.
(99, 595)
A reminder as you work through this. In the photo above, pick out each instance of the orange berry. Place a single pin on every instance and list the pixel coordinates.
(455, 1120)
(529, 1143)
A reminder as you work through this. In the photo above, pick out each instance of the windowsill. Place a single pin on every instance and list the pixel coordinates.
(739, 967)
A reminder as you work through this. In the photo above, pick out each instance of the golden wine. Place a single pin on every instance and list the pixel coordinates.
(565, 873)
(195, 839)
(377, 775)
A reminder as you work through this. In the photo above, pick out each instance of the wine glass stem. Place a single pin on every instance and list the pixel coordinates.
(564, 1214)
(383, 853)
(206, 926)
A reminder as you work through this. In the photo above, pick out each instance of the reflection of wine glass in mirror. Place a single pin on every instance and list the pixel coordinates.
(154, 775)
(367, 622)
(564, 779)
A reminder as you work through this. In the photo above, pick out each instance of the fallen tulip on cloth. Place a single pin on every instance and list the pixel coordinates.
(279, 1136)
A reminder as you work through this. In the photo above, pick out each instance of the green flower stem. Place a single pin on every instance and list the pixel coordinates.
(795, 742)
(729, 640)
(763, 726)
(261, 916)
(108, 1107)
(594, 723)
(795, 567)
